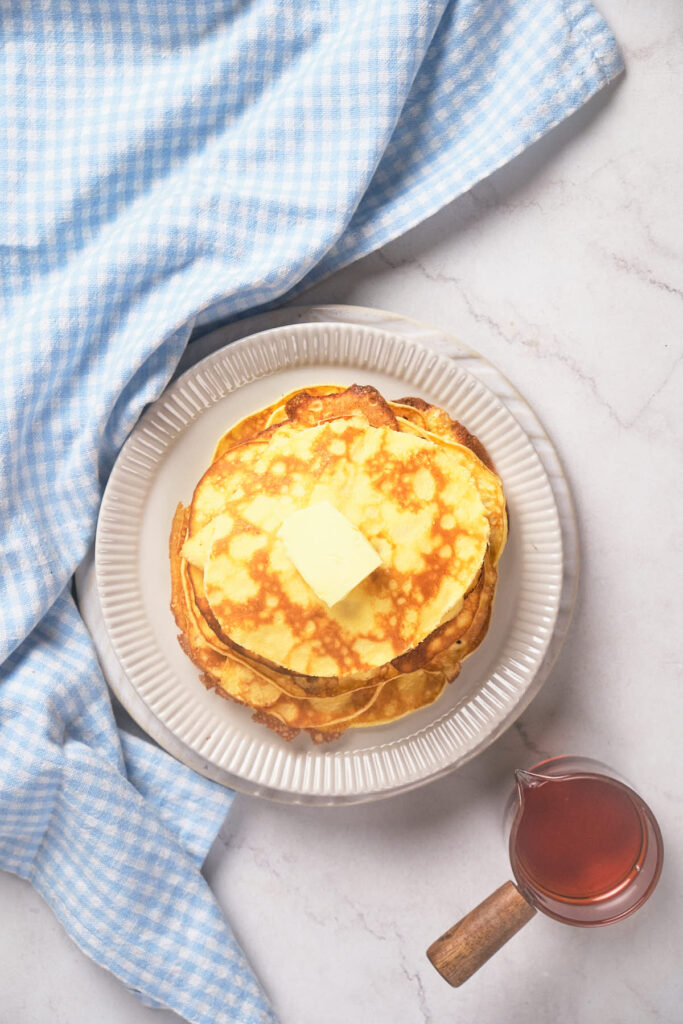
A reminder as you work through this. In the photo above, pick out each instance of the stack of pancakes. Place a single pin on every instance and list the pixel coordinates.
(423, 493)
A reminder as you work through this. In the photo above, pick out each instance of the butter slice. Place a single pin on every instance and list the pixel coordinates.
(331, 554)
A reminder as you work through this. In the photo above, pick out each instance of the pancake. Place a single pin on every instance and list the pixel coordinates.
(438, 422)
(363, 402)
(397, 489)
(450, 658)
(438, 641)
(238, 681)
(421, 490)
(309, 409)
(410, 691)
(257, 430)
(256, 422)
(303, 713)
(401, 696)
(435, 425)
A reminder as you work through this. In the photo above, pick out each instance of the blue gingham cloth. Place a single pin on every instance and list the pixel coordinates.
(163, 165)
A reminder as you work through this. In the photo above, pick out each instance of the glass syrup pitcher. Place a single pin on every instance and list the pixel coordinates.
(584, 849)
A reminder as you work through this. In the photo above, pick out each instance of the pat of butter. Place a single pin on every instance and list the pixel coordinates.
(331, 554)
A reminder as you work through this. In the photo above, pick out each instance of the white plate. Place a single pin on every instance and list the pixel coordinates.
(159, 466)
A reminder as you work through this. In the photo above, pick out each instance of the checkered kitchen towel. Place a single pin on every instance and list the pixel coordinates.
(163, 164)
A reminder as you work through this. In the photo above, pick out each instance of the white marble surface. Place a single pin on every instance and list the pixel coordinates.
(566, 270)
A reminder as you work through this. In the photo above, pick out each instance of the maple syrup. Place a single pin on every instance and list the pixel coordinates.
(584, 847)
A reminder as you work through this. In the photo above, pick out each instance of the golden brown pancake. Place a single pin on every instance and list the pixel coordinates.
(255, 423)
(398, 490)
(256, 629)
(436, 426)
(400, 696)
(234, 679)
(308, 409)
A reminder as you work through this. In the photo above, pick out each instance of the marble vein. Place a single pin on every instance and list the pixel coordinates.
(558, 350)
(644, 274)
(528, 742)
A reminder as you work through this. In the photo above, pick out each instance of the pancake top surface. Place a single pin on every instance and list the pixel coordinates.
(401, 491)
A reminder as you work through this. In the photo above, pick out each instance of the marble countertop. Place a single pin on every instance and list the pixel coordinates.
(565, 269)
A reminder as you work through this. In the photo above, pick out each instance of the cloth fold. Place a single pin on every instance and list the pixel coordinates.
(167, 166)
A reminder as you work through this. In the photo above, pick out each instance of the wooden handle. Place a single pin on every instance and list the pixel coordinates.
(468, 944)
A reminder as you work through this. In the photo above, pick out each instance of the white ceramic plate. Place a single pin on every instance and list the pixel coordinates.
(159, 466)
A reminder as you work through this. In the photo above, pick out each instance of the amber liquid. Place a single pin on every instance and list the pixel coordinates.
(579, 841)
